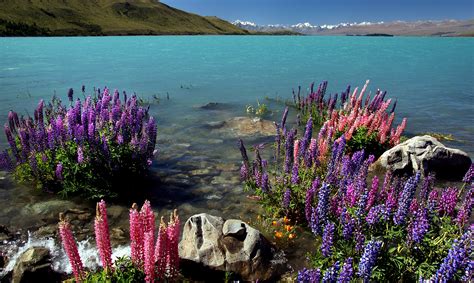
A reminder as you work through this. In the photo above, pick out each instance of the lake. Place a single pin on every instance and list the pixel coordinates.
(432, 79)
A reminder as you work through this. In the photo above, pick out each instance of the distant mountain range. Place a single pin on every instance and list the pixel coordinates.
(426, 28)
(104, 17)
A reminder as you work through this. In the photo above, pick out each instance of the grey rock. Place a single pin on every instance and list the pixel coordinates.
(230, 246)
(34, 265)
(428, 155)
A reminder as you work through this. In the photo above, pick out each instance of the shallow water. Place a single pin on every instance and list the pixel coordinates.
(196, 169)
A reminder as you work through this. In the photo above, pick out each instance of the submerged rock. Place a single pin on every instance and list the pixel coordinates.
(425, 154)
(229, 246)
(243, 126)
(34, 265)
(215, 106)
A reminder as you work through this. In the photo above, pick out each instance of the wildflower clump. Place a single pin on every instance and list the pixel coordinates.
(149, 261)
(369, 228)
(83, 148)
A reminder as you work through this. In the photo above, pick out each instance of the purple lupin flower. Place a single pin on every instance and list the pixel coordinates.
(323, 204)
(368, 259)
(277, 141)
(5, 161)
(464, 213)
(373, 192)
(286, 198)
(426, 187)
(468, 177)
(376, 214)
(419, 226)
(265, 183)
(309, 199)
(9, 135)
(457, 259)
(313, 153)
(432, 201)
(314, 222)
(309, 275)
(346, 272)
(80, 155)
(330, 275)
(295, 179)
(289, 144)
(11, 122)
(359, 239)
(307, 137)
(327, 241)
(348, 224)
(405, 199)
(59, 171)
(448, 201)
(244, 172)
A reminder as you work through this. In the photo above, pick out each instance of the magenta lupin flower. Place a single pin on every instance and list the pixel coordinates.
(102, 235)
(136, 236)
(172, 247)
(149, 257)
(148, 218)
(161, 250)
(372, 193)
(70, 246)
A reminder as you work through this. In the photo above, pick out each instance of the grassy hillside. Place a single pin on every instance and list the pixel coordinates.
(104, 17)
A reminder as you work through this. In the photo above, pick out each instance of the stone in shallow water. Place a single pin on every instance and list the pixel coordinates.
(229, 246)
(34, 265)
(425, 154)
(46, 207)
(243, 126)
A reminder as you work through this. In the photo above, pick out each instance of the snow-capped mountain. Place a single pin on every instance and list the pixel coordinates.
(439, 28)
(305, 28)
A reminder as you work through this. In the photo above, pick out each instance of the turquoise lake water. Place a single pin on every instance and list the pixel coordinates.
(432, 78)
(197, 169)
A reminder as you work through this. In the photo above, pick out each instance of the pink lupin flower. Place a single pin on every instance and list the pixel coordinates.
(102, 235)
(148, 217)
(173, 241)
(149, 257)
(69, 244)
(136, 236)
(161, 250)
(296, 150)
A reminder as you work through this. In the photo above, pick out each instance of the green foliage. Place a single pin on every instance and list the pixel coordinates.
(260, 110)
(362, 140)
(124, 271)
(82, 178)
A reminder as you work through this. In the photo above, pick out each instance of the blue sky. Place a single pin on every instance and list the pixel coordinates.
(328, 11)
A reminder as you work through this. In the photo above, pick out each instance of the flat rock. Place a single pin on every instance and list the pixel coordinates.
(243, 126)
(428, 155)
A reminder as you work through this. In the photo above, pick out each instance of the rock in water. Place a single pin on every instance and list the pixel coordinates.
(34, 265)
(230, 246)
(426, 154)
(243, 126)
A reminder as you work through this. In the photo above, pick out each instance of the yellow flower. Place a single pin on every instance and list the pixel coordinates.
(278, 234)
(291, 236)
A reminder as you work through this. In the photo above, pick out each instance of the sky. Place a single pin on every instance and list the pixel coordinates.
(327, 11)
